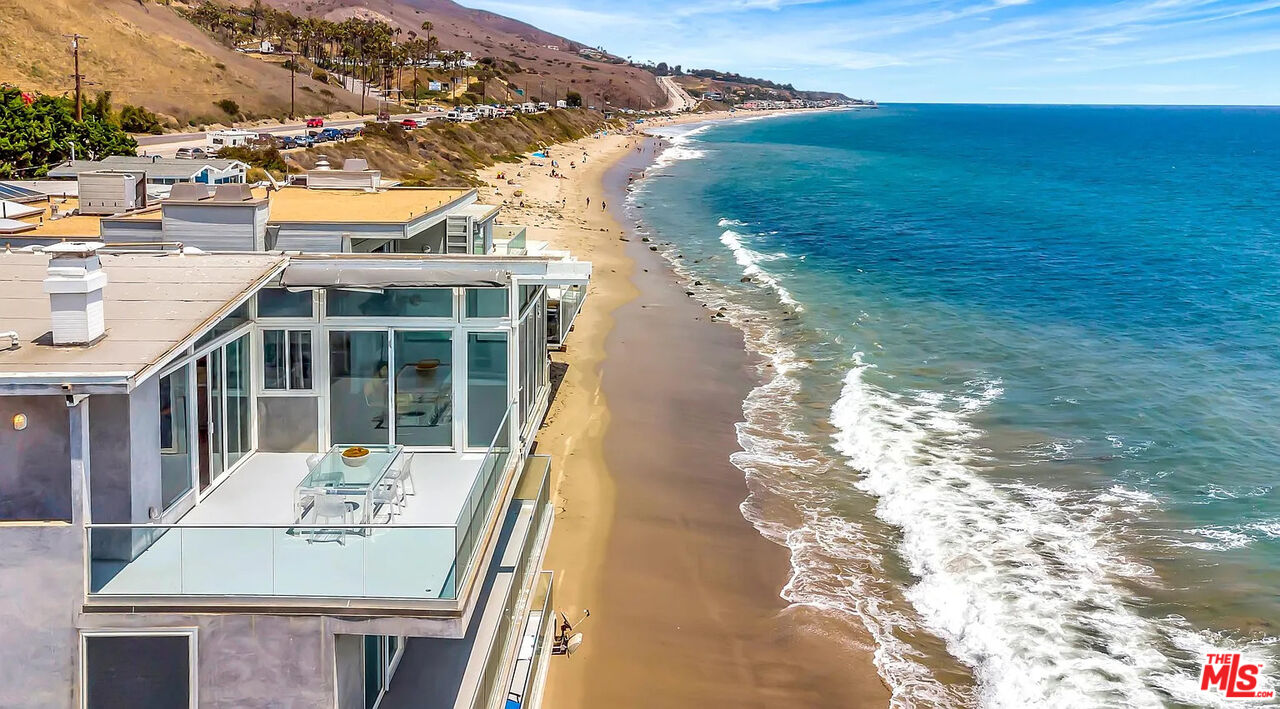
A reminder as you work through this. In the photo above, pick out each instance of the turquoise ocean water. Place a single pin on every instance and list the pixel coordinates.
(1022, 382)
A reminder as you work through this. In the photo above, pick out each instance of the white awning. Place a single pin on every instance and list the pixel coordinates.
(365, 273)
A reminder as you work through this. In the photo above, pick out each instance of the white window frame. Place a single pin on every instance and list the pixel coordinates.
(260, 354)
(193, 656)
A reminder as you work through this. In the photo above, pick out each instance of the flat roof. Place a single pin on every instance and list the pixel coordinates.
(399, 204)
(153, 303)
(45, 225)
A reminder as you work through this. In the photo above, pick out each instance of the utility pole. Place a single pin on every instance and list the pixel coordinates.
(75, 51)
(293, 67)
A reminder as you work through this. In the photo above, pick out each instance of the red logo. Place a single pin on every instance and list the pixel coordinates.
(1230, 674)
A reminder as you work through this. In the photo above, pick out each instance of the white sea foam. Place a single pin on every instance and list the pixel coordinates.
(1233, 536)
(750, 259)
(1019, 580)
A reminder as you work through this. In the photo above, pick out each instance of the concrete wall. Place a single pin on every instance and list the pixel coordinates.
(35, 478)
(41, 583)
(431, 238)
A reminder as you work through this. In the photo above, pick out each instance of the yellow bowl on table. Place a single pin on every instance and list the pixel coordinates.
(355, 456)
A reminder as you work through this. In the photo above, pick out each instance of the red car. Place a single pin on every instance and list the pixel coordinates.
(408, 123)
(315, 122)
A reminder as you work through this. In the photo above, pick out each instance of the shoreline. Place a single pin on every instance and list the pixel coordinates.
(684, 591)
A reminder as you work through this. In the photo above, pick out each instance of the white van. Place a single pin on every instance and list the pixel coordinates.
(453, 117)
(218, 139)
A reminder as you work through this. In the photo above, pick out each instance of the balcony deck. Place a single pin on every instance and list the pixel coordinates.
(243, 539)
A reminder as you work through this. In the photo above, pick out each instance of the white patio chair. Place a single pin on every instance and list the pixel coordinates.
(313, 460)
(327, 508)
(389, 495)
(402, 471)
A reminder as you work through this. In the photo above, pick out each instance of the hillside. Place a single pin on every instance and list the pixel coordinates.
(146, 54)
(744, 88)
(447, 154)
(543, 71)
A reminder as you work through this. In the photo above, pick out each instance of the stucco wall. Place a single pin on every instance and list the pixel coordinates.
(35, 479)
(41, 582)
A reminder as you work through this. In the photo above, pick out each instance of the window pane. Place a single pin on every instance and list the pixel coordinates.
(281, 303)
(393, 303)
(139, 671)
(486, 302)
(299, 359)
(486, 386)
(424, 381)
(274, 365)
(175, 437)
(238, 424)
(358, 387)
(234, 319)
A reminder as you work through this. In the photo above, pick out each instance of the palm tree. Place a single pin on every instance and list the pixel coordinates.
(427, 27)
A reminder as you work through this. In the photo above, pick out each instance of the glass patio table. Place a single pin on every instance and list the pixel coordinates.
(332, 475)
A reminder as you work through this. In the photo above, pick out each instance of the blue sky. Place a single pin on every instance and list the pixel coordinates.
(999, 51)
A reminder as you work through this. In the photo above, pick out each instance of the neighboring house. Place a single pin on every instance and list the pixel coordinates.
(163, 171)
(179, 527)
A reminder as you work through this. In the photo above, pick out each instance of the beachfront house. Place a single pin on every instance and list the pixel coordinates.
(346, 210)
(260, 479)
(158, 170)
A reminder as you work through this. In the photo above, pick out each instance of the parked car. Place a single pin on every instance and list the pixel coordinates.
(315, 122)
(304, 141)
(285, 142)
(409, 123)
(332, 134)
(191, 154)
(351, 132)
(453, 117)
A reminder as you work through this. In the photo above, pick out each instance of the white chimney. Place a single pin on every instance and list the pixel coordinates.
(74, 285)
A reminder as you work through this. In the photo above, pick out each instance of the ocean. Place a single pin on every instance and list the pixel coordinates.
(1020, 376)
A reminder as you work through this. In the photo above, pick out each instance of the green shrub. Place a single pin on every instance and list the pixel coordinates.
(137, 119)
(229, 107)
(320, 75)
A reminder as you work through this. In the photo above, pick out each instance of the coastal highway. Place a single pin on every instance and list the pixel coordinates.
(678, 99)
(167, 145)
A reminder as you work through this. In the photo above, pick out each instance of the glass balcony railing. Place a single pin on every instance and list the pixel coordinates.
(348, 561)
(312, 561)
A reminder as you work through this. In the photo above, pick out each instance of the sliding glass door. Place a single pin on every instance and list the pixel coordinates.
(486, 386)
(359, 387)
(223, 408)
(423, 388)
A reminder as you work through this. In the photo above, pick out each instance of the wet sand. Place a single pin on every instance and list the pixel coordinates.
(683, 591)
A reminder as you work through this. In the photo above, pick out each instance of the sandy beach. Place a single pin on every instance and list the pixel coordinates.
(683, 591)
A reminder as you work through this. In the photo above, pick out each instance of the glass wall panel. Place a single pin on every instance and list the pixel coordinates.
(299, 359)
(275, 360)
(234, 319)
(209, 420)
(175, 436)
(424, 381)
(286, 360)
(281, 303)
(392, 303)
(358, 387)
(486, 386)
(486, 302)
(239, 383)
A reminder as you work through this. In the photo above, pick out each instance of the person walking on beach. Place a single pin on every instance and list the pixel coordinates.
(603, 205)
(588, 201)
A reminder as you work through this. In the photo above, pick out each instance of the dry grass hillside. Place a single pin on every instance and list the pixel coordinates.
(146, 54)
(448, 154)
(543, 70)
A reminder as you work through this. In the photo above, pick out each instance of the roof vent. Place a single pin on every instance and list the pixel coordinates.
(355, 164)
(233, 193)
(322, 163)
(189, 192)
(74, 285)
